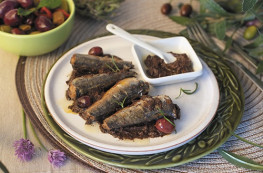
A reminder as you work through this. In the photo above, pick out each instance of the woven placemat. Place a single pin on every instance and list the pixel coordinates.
(31, 72)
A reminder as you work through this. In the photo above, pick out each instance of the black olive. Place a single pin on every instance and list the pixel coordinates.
(186, 10)
(166, 8)
(97, 51)
(84, 101)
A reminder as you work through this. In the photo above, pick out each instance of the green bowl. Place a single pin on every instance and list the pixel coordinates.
(38, 44)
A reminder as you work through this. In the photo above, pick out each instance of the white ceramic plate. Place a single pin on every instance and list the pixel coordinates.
(197, 110)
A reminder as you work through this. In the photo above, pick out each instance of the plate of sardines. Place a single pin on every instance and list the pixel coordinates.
(96, 94)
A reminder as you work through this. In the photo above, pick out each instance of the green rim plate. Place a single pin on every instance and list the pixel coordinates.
(226, 120)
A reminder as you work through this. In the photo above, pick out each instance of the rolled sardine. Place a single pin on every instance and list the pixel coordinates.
(89, 83)
(144, 110)
(122, 92)
(84, 63)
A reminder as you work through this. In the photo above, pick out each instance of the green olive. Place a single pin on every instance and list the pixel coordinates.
(250, 32)
(5, 28)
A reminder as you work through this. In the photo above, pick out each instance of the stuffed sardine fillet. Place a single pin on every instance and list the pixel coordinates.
(94, 64)
(123, 92)
(144, 110)
(89, 83)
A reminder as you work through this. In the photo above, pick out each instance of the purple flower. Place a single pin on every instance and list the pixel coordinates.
(24, 149)
(56, 157)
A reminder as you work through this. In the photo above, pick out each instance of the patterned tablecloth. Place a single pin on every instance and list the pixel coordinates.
(26, 75)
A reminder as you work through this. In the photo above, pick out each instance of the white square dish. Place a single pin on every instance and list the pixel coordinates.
(176, 45)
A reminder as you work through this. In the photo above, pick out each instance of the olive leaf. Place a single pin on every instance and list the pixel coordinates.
(220, 29)
(213, 7)
(257, 52)
(50, 4)
(182, 20)
(25, 12)
(229, 42)
(248, 4)
(240, 161)
(260, 67)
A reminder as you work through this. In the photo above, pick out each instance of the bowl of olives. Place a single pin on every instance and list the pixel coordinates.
(35, 27)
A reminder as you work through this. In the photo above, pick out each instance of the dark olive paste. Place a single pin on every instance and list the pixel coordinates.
(156, 67)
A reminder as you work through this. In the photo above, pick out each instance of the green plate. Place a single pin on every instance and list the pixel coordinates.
(226, 120)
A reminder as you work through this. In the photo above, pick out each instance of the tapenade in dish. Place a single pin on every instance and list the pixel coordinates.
(156, 67)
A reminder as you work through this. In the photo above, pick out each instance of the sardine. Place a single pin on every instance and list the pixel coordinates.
(89, 83)
(84, 63)
(122, 92)
(144, 110)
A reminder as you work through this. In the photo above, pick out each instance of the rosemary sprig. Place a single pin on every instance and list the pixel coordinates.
(113, 62)
(166, 117)
(122, 102)
(187, 91)
(110, 67)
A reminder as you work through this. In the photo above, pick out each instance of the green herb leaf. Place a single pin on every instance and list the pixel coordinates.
(229, 42)
(110, 67)
(113, 62)
(213, 7)
(50, 4)
(202, 8)
(248, 4)
(260, 67)
(244, 140)
(24, 124)
(166, 117)
(3, 168)
(122, 103)
(37, 138)
(182, 20)
(220, 29)
(188, 92)
(240, 161)
(25, 12)
(256, 52)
